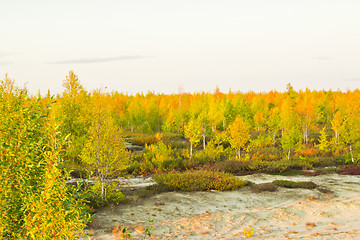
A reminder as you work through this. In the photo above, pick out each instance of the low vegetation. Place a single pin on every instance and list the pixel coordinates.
(263, 187)
(200, 181)
(350, 170)
(292, 184)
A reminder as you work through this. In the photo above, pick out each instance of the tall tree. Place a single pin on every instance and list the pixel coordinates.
(73, 116)
(105, 147)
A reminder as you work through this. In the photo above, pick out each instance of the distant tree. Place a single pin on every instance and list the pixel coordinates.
(193, 132)
(324, 143)
(239, 135)
(290, 139)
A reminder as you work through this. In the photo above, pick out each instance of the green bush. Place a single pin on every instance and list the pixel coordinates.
(292, 184)
(34, 201)
(160, 155)
(94, 199)
(199, 181)
(268, 187)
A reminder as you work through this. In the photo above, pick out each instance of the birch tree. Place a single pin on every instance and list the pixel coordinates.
(239, 135)
(193, 132)
(105, 148)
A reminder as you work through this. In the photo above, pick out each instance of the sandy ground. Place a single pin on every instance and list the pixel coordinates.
(284, 214)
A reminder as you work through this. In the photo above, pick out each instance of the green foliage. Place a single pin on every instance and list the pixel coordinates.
(262, 141)
(73, 117)
(34, 201)
(200, 181)
(95, 200)
(160, 155)
(216, 153)
(292, 184)
(291, 138)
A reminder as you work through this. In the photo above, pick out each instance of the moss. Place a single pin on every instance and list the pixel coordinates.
(292, 172)
(199, 181)
(268, 187)
(292, 184)
(153, 190)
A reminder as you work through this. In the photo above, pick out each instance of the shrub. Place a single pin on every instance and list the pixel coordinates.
(233, 166)
(199, 181)
(268, 187)
(350, 170)
(34, 201)
(142, 139)
(328, 161)
(160, 155)
(292, 184)
(269, 166)
(113, 196)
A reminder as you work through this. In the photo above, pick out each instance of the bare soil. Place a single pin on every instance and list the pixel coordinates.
(284, 214)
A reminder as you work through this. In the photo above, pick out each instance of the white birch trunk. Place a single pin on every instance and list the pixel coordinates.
(352, 155)
(289, 154)
(274, 135)
(191, 150)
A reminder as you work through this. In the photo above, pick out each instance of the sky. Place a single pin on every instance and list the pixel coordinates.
(194, 45)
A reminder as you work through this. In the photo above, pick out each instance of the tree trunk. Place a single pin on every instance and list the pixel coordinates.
(238, 153)
(102, 189)
(191, 149)
(274, 135)
(289, 154)
(336, 136)
(352, 155)
(204, 139)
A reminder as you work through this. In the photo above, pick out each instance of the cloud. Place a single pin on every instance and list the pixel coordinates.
(321, 58)
(98, 60)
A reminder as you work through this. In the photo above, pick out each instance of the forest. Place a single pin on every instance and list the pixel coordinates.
(46, 140)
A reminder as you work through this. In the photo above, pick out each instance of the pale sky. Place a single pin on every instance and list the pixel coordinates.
(160, 45)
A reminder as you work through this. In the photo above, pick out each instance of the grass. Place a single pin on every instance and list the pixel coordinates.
(199, 181)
